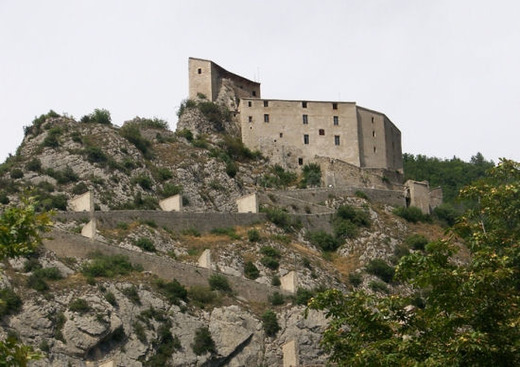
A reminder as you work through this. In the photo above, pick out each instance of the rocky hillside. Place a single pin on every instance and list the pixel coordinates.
(105, 308)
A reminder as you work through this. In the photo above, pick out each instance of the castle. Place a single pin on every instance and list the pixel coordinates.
(354, 146)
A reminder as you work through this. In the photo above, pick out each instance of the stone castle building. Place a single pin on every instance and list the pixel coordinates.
(293, 133)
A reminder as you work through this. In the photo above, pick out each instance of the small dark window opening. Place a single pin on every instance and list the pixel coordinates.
(372, 119)
(253, 93)
(375, 150)
(281, 135)
(249, 104)
(336, 140)
(305, 139)
(336, 120)
(334, 106)
(250, 118)
(199, 70)
(300, 161)
(322, 132)
(304, 104)
(266, 103)
(373, 133)
(266, 117)
(305, 119)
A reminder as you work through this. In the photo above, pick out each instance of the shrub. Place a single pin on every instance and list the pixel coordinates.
(64, 176)
(191, 232)
(131, 132)
(95, 154)
(35, 128)
(144, 181)
(355, 279)
(270, 262)
(186, 104)
(173, 291)
(276, 299)
(362, 195)
(416, 241)
(251, 271)
(79, 305)
(270, 251)
(37, 279)
(278, 177)
(10, 302)
(145, 244)
(203, 342)
(34, 165)
(132, 294)
(311, 175)
(446, 213)
(219, 282)
(99, 116)
(253, 235)
(275, 281)
(401, 250)
(80, 188)
(280, 218)
(357, 216)
(411, 214)
(139, 332)
(378, 286)
(201, 295)
(323, 240)
(303, 296)
(165, 345)
(153, 123)
(51, 140)
(111, 298)
(107, 266)
(270, 323)
(16, 173)
(380, 269)
(226, 231)
(186, 134)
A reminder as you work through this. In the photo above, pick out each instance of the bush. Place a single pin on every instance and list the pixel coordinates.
(99, 116)
(219, 282)
(165, 345)
(253, 235)
(416, 241)
(276, 299)
(271, 252)
(95, 154)
(79, 305)
(270, 323)
(357, 216)
(227, 231)
(34, 165)
(446, 213)
(37, 279)
(401, 250)
(49, 202)
(10, 302)
(111, 298)
(35, 128)
(174, 291)
(51, 140)
(107, 266)
(64, 176)
(362, 195)
(16, 173)
(378, 286)
(201, 295)
(80, 188)
(131, 132)
(170, 189)
(278, 178)
(132, 294)
(380, 269)
(251, 271)
(270, 262)
(411, 214)
(203, 342)
(186, 134)
(303, 296)
(144, 181)
(279, 218)
(145, 244)
(275, 281)
(311, 175)
(323, 240)
(355, 279)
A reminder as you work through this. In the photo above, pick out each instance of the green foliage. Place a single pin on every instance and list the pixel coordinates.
(411, 214)
(48, 202)
(13, 353)
(253, 235)
(450, 174)
(303, 296)
(51, 140)
(416, 241)
(311, 175)
(131, 132)
(276, 299)
(275, 281)
(153, 123)
(201, 296)
(64, 176)
(21, 228)
(378, 286)
(111, 298)
(95, 154)
(271, 257)
(143, 180)
(132, 294)
(185, 105)
(80, 188)
(362, 195)
(380, 269)
(16, 173)
(99, 116)
(278, 178)
(186, 134)
(170, 189)
(465, 313)
(10, 302)
(359, 217)
(35, 128)
(226, 231)
(163, 173)
(270, 323)
(281, 219)
(140, 332)
(34, 165)
(79, 305)
(203, 342)
(165, 345)
(446, 213)
(251, 271)
(355, 279)
(191, 232)
(173, 291)
(219, 282)
(107, 266)
(145, 244)
(323, 240)
(270, 262)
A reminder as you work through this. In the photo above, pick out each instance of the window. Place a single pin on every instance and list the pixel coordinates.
(304, 104)
(249, 104)
(300, 161)
(336, 120)
(305, 119)
(375, 150)
(281, 135)
(372, 119)
(373, 133)
(266, 103)
(250, 118)
(266, 117)
(336, 139)
(322, 132)
(253, 93)
(199, 70)
(334, 106)
(305, 139)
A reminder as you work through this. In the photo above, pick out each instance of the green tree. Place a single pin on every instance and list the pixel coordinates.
(20, 235)
(461, 313)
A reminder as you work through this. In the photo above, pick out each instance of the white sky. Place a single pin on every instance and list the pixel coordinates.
(446, 72)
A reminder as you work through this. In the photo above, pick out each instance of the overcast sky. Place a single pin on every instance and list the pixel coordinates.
(446, 72)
